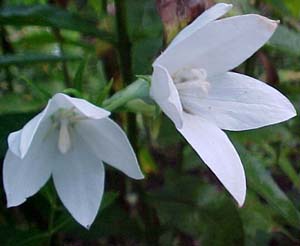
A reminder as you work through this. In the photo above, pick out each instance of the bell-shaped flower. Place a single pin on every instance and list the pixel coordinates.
(70, 139)
(192, 84)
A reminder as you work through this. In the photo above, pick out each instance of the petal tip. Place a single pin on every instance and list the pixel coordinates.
(240, 198)
(12, 203)
(241, 201)
(271, 25)
(139, 177)
(228, 5)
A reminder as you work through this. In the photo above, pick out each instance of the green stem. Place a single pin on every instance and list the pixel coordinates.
(124, 46)
(125, 51)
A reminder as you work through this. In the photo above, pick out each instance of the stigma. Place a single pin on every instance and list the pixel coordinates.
(64, 138)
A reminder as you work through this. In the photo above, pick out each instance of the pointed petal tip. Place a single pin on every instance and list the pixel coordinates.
(137, 173)
(290, 112)
(138, 177)
(271, 25)
(241, 204)
(241, 201)
(239, 195)
(85, 224)
(12, 203)
(226, 5)
(293, 113)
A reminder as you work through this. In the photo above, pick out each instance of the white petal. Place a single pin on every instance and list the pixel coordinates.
(79, 180)
(28, 132)
(82, 106)
(58, 101)
(209, 15)
(13, 140)
(216, 150)
(220, 45)
(238, 102)
(109, 142)
(24, 177)
(164, 92)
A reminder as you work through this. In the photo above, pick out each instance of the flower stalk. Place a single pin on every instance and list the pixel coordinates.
(124, 47)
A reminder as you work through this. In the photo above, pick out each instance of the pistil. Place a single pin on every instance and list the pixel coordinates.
(64, 138)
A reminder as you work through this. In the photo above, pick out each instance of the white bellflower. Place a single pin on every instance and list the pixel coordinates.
(70, 139)
(193, 87)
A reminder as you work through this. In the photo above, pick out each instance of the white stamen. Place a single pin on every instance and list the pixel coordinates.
(191, 84)
(64, 138)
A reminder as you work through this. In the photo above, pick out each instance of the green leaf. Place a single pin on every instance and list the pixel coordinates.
(286, 40)
(262, 183)
(113, 222)
(42, 38)
(198, 210)
(108, 199)
(46, 95)
(29, 59)
(280, 6)
(290, 171)
(78, 79)
(294, 7)
(10, 236)
(104, 92)
(46, 15)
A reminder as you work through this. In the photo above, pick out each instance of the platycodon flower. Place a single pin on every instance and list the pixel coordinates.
(70, 139)
(192, 84)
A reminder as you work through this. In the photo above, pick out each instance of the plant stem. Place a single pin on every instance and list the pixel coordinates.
(124, 46)
(124, 43)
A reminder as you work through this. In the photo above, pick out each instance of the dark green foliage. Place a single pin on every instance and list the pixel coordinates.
(73, 47)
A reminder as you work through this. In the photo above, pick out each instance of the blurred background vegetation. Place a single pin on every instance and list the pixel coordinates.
(94, 48)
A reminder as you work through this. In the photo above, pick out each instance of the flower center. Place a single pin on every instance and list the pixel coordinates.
(192, 85)
(64, 120)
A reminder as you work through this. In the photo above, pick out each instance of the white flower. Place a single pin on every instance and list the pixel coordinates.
(69, 140)
(192, 85)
